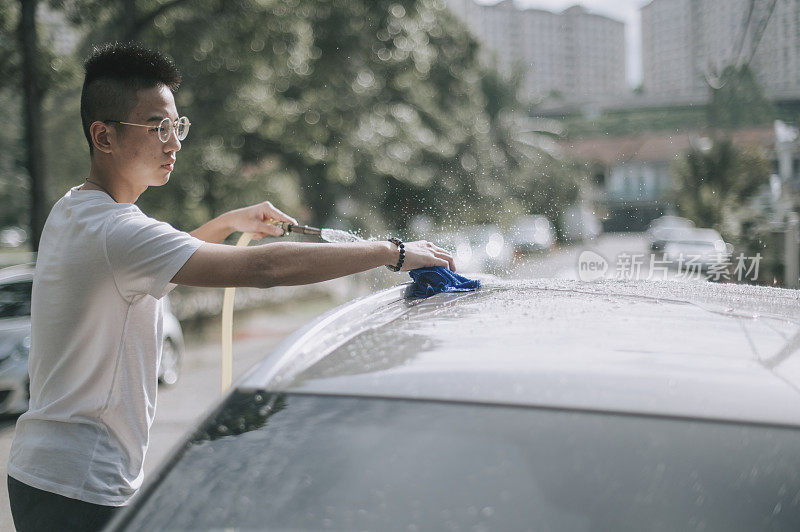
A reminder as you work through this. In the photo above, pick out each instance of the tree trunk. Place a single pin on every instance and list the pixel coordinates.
(33, 94)
(130, 20)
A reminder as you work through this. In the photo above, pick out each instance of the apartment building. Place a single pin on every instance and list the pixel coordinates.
(687, 43)
(576, 54)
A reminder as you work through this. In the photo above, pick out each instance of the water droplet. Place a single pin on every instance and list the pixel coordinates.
(337, 235)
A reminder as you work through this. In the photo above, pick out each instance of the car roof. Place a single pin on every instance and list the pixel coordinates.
(691, 234)
(12, 274)
(669, 348)
(671, 221)
(535, 221)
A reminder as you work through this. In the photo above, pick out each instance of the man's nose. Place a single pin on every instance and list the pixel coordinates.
(172, 144)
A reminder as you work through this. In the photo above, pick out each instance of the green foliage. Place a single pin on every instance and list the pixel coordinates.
(714, 185)
(13, 179)
(758, 237)
(8, 43)
(626, 122)
(537, 181)
(737, 100)
(355, 113)
(55, 72)
(13, 184)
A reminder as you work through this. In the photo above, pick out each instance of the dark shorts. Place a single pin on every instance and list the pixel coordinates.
(37, 510)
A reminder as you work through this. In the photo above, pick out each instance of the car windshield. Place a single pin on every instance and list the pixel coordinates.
(307, 462)
(15, 299)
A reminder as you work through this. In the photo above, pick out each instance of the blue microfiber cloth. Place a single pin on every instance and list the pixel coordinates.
(430, 281)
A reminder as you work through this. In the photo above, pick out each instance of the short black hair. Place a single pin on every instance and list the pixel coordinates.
(114, 72)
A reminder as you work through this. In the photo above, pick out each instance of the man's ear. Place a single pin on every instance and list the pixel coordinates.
(101, 136)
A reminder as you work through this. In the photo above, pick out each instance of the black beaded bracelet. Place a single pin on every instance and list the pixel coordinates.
(399, 243)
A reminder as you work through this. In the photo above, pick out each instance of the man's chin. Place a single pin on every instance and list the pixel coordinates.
(163, 179)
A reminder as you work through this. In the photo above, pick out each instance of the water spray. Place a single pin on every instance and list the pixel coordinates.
(329, 235)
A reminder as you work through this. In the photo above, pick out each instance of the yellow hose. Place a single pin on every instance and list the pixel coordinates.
(227, 326)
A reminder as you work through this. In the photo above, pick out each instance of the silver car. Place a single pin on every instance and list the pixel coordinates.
(695, 248)
(480, 249)
(534, 405)
(660, 230)
(15, 337)
(15, 341)
(532, 234)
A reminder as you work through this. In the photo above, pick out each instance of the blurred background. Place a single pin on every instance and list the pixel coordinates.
(517, 134)
(463, 122)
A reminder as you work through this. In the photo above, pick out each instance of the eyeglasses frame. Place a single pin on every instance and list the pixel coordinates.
(174, 127)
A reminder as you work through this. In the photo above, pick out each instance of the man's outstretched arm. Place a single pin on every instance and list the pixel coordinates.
(294, 263)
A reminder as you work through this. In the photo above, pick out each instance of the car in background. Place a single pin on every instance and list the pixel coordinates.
(544, 404)
(579, 223)
(16, 283)
(531, 234)
(12, 237)
(479, 249)
(15, 338)
(699, 249)
(172, 350)
(662, 228)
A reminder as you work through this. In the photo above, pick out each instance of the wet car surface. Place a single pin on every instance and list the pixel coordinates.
(527, 405)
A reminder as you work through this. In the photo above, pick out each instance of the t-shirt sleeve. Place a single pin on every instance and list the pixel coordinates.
(145, 254)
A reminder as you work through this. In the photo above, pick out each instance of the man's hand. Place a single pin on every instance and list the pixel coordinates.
(254, 219)
(257, 219)
(423, 254)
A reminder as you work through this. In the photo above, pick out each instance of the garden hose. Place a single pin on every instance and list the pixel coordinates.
(227, 302)
(227, 326)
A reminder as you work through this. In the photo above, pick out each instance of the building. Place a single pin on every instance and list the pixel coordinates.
(631, 178)
(687, 43)
(575, 55)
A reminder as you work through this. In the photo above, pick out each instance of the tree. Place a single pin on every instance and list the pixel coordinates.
(373, 111)
(13, 177)
(31, 71)
(539, 180)
(738, 100)
(33, 83)
(714, 184)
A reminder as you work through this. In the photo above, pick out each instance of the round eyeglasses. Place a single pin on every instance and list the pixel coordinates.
(164, 128)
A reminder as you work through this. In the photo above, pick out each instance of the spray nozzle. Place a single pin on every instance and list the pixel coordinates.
(294, 228)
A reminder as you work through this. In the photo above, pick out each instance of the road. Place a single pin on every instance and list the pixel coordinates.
(562, 263)
(257, 333)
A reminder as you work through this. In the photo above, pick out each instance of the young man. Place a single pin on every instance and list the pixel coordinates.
(96, 318)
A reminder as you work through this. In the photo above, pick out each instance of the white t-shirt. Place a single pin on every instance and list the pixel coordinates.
(96, 338)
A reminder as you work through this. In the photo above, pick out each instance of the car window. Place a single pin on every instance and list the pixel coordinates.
(15, 299)
(289, 462)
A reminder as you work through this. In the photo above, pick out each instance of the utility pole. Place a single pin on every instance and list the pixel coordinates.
(792, 251)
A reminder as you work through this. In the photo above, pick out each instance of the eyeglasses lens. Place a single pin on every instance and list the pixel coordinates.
(165, 130)
(183, 127)
(166, 127)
